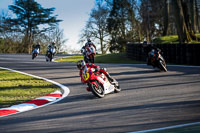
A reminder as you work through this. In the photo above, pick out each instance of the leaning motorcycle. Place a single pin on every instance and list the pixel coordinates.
(35, 53)
(88, 54)
(49, 55)
(98, 83)
(157, 60)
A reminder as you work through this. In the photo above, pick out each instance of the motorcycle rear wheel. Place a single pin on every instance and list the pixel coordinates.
(97, 91)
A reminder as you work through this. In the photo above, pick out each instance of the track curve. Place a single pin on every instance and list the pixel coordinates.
(149, 99)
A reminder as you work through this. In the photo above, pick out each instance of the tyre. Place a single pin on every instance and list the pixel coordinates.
(85, 59)
(117, 87)
(92, 59)
(162, 65)
(33, 56)
(50, 56)
(97, 91)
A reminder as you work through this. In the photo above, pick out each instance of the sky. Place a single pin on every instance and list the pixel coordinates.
(74, 14)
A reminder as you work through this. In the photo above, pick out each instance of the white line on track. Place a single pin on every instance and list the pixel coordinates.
(165, 128)
(175, 126)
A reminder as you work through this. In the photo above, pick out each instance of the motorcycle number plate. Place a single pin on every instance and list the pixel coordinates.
(86, 76)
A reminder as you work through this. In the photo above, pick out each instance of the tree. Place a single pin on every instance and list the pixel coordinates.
(117, 25)
(166, 17)
(29, 15)
(56, 34)
(182, 21)
(96, 27)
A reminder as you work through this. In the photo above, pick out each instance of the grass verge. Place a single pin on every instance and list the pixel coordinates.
(173, 39)
(119, 58)
(16, 88)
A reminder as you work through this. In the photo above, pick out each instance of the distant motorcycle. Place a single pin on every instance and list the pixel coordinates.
(88, 54)
(50, 54)
(157, 60)
(99, 84)
(35, 53)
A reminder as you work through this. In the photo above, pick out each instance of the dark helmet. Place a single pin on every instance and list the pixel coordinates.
(81, 64)
(88, 40)
(53, 43)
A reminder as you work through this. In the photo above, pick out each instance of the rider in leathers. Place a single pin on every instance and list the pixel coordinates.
(82, 66)
(147, 49)
(85, 48)
(37, 46)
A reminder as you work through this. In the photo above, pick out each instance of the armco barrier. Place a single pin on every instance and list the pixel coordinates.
(187, 54)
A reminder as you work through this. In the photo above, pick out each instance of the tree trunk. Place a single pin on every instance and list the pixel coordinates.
(183, 33)
(197, 28)
(166, 17)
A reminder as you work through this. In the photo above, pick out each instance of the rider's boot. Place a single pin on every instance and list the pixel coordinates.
(110, 78)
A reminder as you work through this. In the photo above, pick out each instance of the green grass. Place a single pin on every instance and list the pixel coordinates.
(187, 129)
(16, 88)
(119, 58)
(166, 39)
(171, 39)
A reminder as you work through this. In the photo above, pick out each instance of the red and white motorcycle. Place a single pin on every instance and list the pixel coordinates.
(89, 53)
(98, 83)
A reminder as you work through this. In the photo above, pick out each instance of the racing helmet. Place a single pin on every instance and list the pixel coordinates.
(81, 64)
(53, 43)
(88, 40)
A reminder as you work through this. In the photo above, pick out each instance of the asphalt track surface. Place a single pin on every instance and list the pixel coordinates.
(149, 99)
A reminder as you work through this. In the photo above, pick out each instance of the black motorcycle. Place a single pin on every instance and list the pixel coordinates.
(157, 60)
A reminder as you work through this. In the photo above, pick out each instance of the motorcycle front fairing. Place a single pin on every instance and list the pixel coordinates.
(36, 50)
(90, 76)
(108, 87)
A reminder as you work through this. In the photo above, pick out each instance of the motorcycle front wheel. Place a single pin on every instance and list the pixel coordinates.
(92, 59)
(117, 87)
(50, 56)
(162, 65)
(33, 56)
(98, 90)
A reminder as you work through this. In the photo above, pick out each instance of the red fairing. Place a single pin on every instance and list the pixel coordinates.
(91, 50)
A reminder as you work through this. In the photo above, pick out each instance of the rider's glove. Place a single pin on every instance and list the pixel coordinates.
(97, 69)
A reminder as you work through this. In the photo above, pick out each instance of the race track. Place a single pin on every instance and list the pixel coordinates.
(149, 99)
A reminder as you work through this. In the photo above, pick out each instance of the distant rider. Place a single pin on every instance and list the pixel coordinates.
(85, 49)
(82, 66)
(52, 45)
(148, 50)
(37, 47)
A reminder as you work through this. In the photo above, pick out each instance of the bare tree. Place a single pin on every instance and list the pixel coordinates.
(96, 27)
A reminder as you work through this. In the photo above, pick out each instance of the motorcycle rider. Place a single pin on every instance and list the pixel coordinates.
(89, 43)
(85, 48)
(37, 46)
(148, 49)
(52, 45)
(82, 66)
